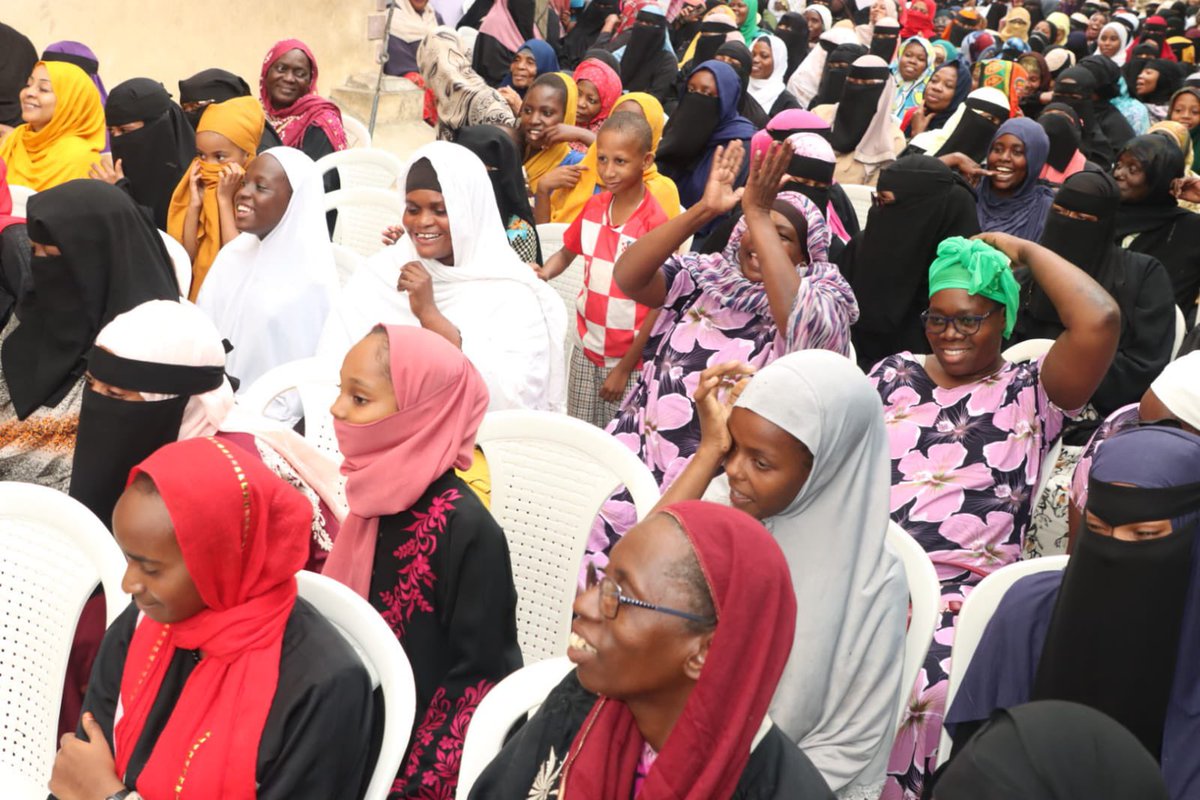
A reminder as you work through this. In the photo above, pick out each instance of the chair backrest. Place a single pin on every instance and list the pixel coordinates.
(519, 694)
(569, 283)
(550, 474)
(860, 198)
(20, 196)
(386, 662)
(181, 262)
(363, 167)
(363, 213)
(1028, 350)
(316, 381)
(53, 552)
(973, 617)
(924, 593)
(357, 134)
(347, 262)
(1180, 332)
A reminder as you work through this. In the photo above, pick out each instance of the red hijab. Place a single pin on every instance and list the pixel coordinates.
(708, 748)
(916, 23)
(608, 84)
(390, 463)
(1159, 33)
(244, 535)
(292, 122)
(6, 203)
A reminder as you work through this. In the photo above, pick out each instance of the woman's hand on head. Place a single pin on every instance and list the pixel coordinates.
(230, 181)
(84, 770)
(718, 389)
(719, 195)
(101, 171)
(391, 234)
(767, 172)
(1012, 246)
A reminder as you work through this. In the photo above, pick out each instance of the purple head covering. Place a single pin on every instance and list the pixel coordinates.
(81, 56)
(1022, 213)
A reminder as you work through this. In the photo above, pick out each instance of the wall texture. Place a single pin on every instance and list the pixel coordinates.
(172, 40)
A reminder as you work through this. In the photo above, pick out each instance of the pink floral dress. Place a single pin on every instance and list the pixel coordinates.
(965, 466)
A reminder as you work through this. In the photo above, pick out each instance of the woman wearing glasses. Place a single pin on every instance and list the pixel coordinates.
(968, 432)
(678, 650)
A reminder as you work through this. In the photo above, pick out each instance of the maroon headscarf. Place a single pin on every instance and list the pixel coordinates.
(708, 748)
(292, 122)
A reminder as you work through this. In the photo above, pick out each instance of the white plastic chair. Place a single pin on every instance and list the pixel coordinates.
(973, 618)
(357, 135)
(1180, 332)
(181, 262)
(860, 198)
(519, 694)
(568, 284)
(550, 235)
(363, 213)
(924, 592)
(316, 381)
(20, 197)
(1028, 350)
(347, 263)
(53, 553)
(550, 474)
(363, 167)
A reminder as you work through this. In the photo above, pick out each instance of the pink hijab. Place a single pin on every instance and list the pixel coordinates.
(805, 142)
(293, 122)
(391, 462)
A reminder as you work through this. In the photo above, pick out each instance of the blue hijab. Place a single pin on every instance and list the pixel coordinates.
(543, 55)
(690, 177)
(1023, 213)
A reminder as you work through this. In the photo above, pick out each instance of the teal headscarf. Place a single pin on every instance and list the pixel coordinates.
(946, 47)
(976, 266)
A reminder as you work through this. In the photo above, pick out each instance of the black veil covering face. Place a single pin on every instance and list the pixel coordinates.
(858, 105)
(207, 87)
(837, 69)
(112, 260)
(1061, 124)
(978, 124)
(884, 40)
(500, 155)
(1074, 88)
(155, 156)
(115, 435)
(793, 30)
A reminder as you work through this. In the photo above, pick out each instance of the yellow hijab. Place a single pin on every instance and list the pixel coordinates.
(721, 13)
(1016, 25)
(565, 204)
(69, 144)
(1062, 25)
(545, 160)
(239, 120)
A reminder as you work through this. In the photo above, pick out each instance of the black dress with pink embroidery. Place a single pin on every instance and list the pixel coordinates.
(442, 580)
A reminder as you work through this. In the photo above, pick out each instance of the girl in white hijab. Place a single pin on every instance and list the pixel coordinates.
(767, 90)
(270, 289)
(509, 323)
(809, 418)
(807, 78)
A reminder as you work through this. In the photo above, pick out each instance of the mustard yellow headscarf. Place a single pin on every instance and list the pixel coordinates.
(545, 160)
(1062, 26)
(1016, 25)
(69, 144)
(241, 121)
(565, 204)
(721, 13)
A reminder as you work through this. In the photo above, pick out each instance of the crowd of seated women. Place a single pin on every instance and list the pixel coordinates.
(797, 369)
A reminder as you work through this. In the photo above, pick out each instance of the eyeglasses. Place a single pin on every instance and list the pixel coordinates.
(612, 598)
(966, 324)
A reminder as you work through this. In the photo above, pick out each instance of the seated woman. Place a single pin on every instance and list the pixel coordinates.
(969, 431)
(210, 670)
(454, 273)
(566, 203)
(1012, 199)
(152, 145)
(201, 215)
(461, 95)
(921, 202)
(1156, 82)
(771, 291)
(767, 75)
(678, 652)
(63, 130)
(272, 287)
(947, 89)
(1185, 109)
(969, 130)
(550, 103)
(1150, 219)
(737, 55)
(911, 70)
(705, 121)
(14, 253)
(806, 80)
(287, 89)
(209, 86)
(95, 255)
(499, 154)
(1065, 132)
(412, 21)
(1117, 629)
(864, 135)
(532, 59)
(418, 544)
(1076, 749)
(648, 62)
(599, 91)
(803, 449)
(837, 69)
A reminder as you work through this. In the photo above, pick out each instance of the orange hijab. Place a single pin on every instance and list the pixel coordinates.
(241, 121)
(69, 144)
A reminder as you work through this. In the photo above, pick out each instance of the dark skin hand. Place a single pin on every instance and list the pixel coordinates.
(84, 770)
(779, 273)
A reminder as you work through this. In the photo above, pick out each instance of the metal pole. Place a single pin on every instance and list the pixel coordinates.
(383, 60)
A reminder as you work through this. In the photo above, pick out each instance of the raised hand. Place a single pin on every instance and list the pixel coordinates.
(719, 195)
(766, 175)
(719, 388)
(101, 171)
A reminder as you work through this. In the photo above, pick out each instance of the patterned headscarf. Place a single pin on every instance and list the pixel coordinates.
(292, 122)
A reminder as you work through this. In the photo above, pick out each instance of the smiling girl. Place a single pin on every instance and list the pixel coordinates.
(1012, 199)
(552, 102)
(912, 70)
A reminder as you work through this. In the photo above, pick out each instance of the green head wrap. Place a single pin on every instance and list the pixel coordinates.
(976, 266)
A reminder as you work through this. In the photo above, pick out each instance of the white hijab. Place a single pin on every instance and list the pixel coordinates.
(269, 297)
(838, 695)
(807, 78)
(767, 90)
(1122, 34)
(512, 324)
(1178, 387)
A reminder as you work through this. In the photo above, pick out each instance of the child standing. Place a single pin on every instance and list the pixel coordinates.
(613, 328)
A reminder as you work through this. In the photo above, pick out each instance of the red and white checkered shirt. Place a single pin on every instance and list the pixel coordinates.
(606, 318)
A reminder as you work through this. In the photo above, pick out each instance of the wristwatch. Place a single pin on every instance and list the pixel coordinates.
(124, 794)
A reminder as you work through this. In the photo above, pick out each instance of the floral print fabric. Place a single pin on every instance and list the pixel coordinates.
(965, 465)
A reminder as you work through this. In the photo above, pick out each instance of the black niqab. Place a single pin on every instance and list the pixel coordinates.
(1061, 124)
(646, 40)
(857, 107)
(212, 85)
(500, 155)
(1074, 87)
(795, 37)
(15, 68)
(837, 69)
(972, 136)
